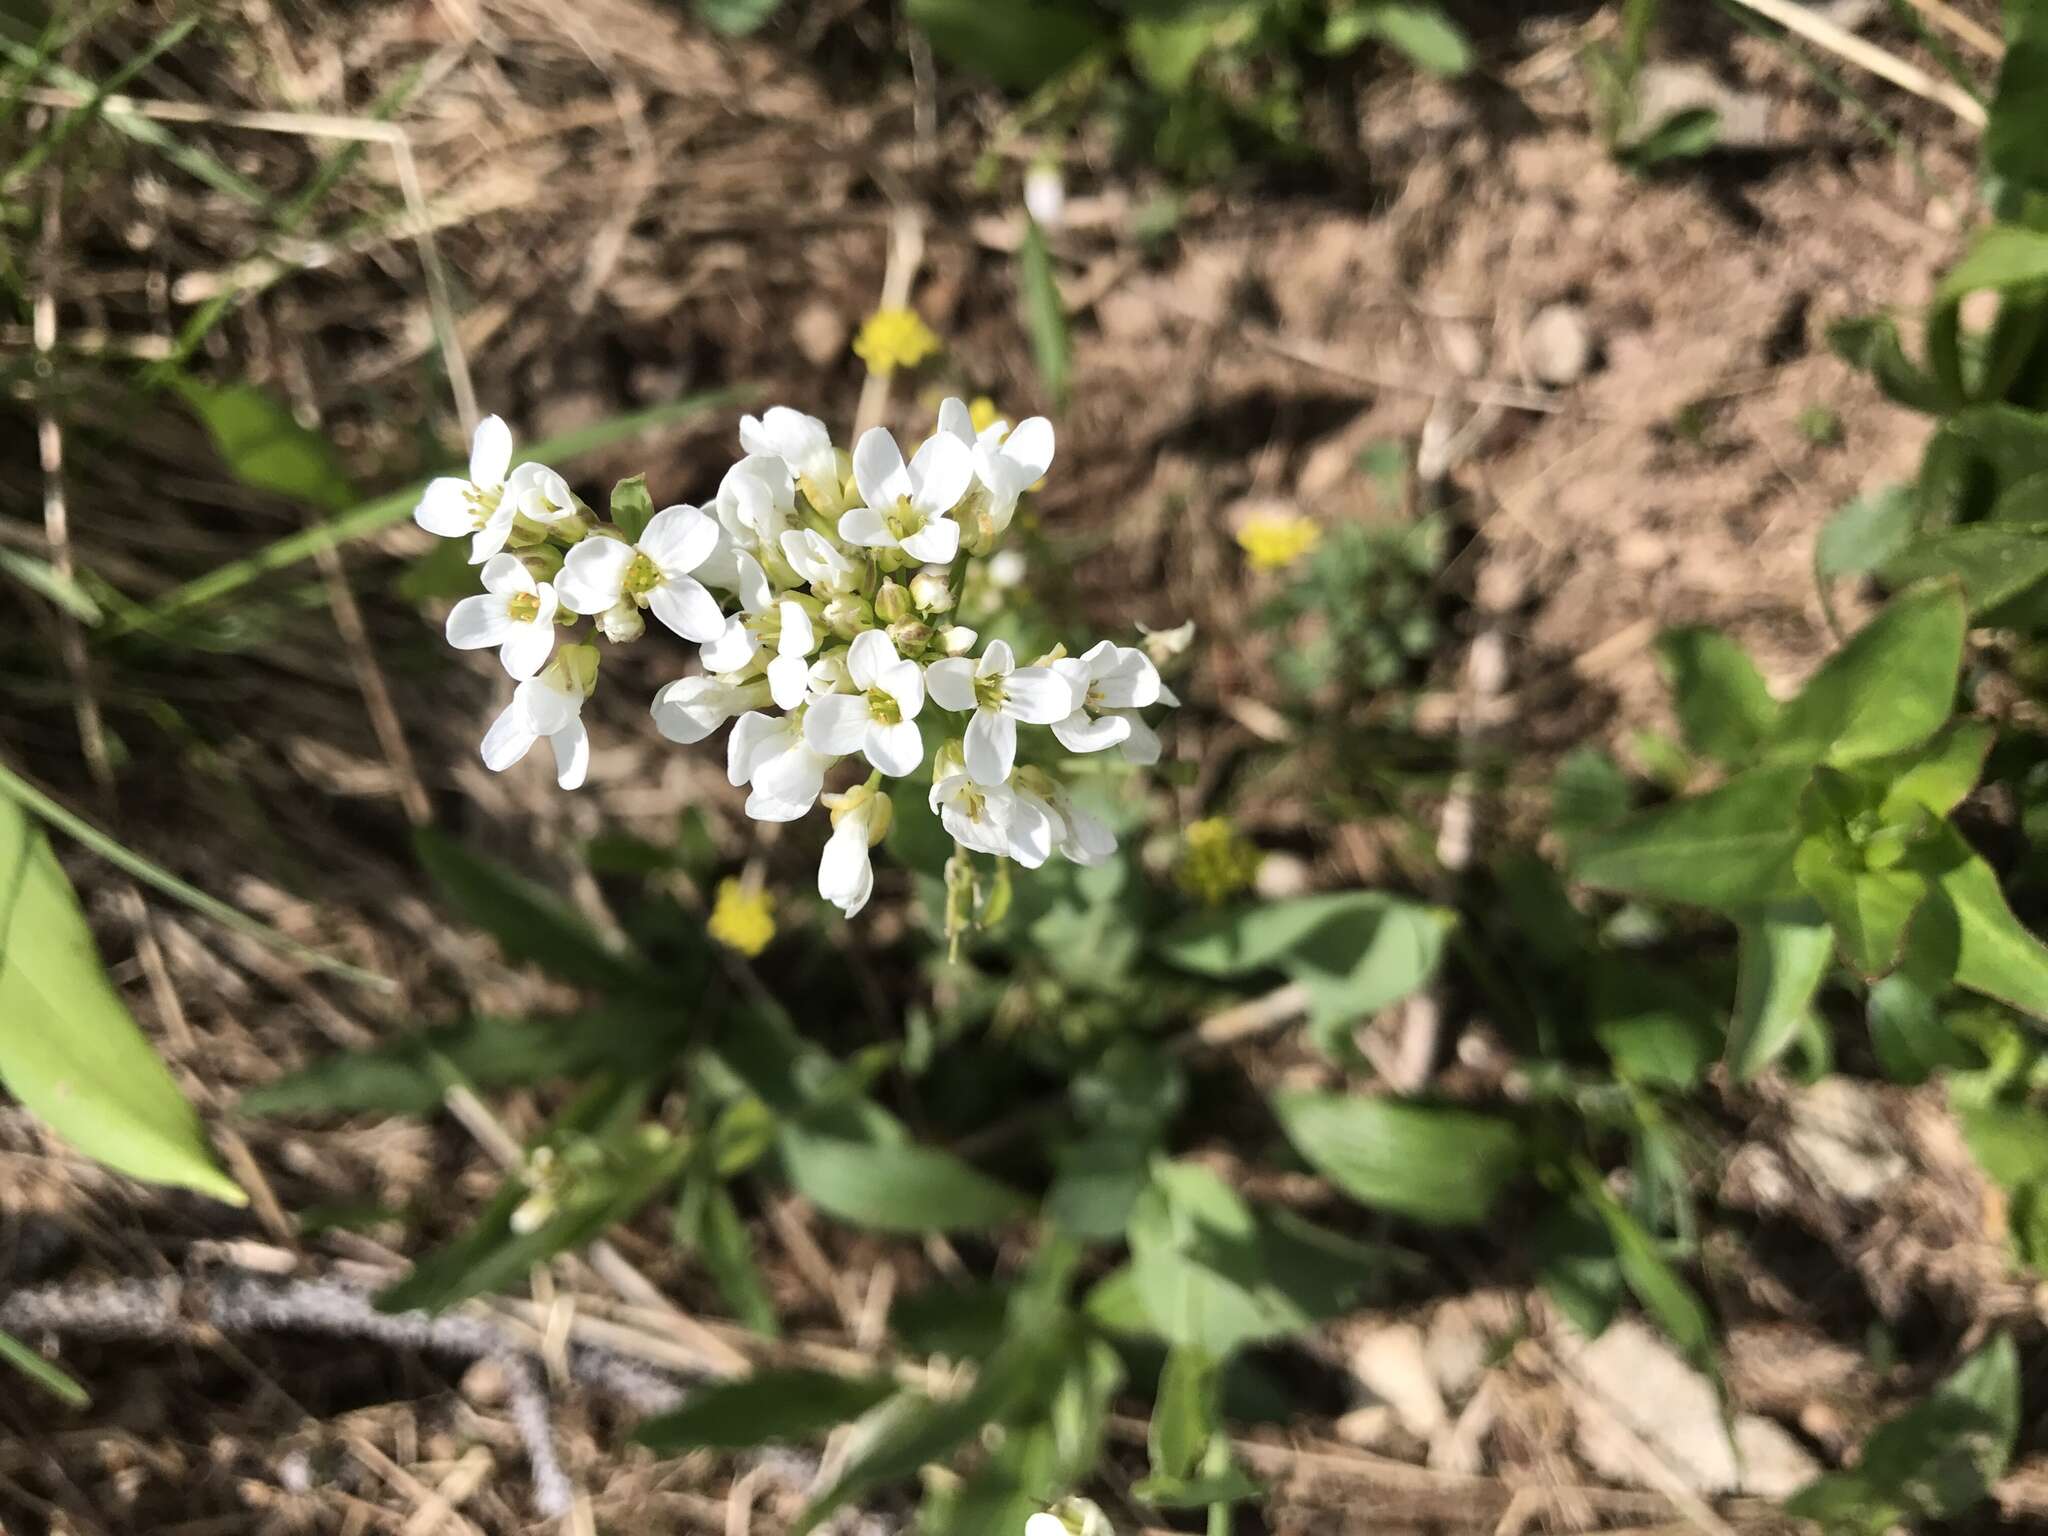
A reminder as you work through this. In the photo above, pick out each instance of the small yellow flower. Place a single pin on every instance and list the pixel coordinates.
(1216, 862)
(1272, 541)
(742, 919)
(983, 413)
(892, 339)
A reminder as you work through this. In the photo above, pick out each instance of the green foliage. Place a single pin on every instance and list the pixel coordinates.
(57, 1383)
(1045, 313)
(737, 18)
(774, 1405)
(264, 446)
(895, 1188)
(1361, 616)
(1435, 1163)
(68, 1048)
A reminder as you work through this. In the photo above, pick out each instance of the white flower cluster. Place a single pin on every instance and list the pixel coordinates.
(820, 587)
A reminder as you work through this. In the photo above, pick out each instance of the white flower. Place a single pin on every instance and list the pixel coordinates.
(860, 819)
(1141, 746)
(769, 753)
(817, 560)
(783, 624)
(1007, 461)
(539, 495)
(755, 503)
(906, 505)
(1080, 836)
(802, 442)
(513, 612)
(1106, 678)
(477, 508)
(1045, 195)
(691, 708)
(1000, 694)
(878, 720)
(654, 573)
(548, 704)
(1070, 1517)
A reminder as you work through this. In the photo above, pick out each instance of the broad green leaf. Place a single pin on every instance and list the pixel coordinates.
(1782, 955)
(1684, 135)
(1429, 38)
(531, 922)
(1192, 1492)
(2009, 1141)
(1723, 706)
(1994, 952)
(1939, 775)
(1890, 688)
(708, 1224)
(265, 448)
(1730, 848)
(1020, 44)
(1865, 534)
(1975, 459)
(632, 507)
(736, 18)
(68, 1048)
(1664, 1294)
(2015, 148)
(1907, 1031)
(1184, 1414)
(1994, 562)
(1433, 1162)
(1653, 1026)
(53, 1380)
(1871, 342)
(1100, 1179)
(442, 573)
(2003, 256)
(1935, 1461)
(1238, 941)
(770, 1405)
(1167, 51)
(1045, 313)
(896, 1188)
(1870, 909)
(1576, 1265)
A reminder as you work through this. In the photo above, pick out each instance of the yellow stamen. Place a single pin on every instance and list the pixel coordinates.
(1272, 541)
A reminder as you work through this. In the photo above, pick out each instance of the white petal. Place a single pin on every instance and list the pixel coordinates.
(812, 557)
(990, 746)
(871, 653)
(936, 543)
(682, 603)
(732, 648)
(799, 637)
(836, 723)
(904, 683)
(1029, 447)
(506, 574)
(509, 739)
(444, 509)
(1038, 696)
(1129, 681)
(490, 452)
(572, 754)
(540, 494)
(1030, 832)
(996, 660)
(1045, 1524)
(1088, 840)
(492, 536)
(879, 470)
(864, 526)
(798, 440)
(951, 683)
(1142, 746)
(788, 679)
(594, 575)
(895, 749)
(756, 738)
(527, 648)
(689, 709)
(1081, 732)
(752, 586)
(548, 708)
(787, 785)
(476, 622)
(942, 472)
(846, 875)
(678, 539)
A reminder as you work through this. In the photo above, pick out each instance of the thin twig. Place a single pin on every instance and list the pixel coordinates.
(1944, 15)
(1840, 41)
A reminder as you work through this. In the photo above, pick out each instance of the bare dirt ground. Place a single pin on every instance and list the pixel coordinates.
(629, 210)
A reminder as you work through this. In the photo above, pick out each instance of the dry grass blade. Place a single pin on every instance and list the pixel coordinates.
(1844, 44)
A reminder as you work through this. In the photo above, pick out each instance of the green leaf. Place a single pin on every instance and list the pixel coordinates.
(1020, 44)
(1184, 1415)
(632, 506)
(1166, 52)
(58, 1383)
(1890, 688)
(770, 1405)
(896, 1188)
(530, 921)
(1576, 1265)
(1653, 1027)
(1865, 534)
(1435, 1163)
(442, 573)
(1192, 1492)
(1723, 707)
(2009, 1141)
(1045, 313)
(1782, 957)
(2003, 256)
(264, 446)
(1429, 38)
(1994, 562)
(1664, 1294)
(1938, 776)
(1871, 343)
(1869, 908)
(1908, 1034)
(708, 1223)
(735, 18)
(1935, 1461)
(1994, 952)
(1684, 135)
(68, 1048)
(1730, 848)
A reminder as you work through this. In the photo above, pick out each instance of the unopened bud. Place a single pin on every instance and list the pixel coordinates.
(622, 622)
(1045, 195)
(932, 590)
(570, 530)
(892, 602)
(847, 615)
(910, 634)
(957, 639)
(543, 563)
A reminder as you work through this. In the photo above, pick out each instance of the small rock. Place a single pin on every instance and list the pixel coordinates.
(484, 1384)
(820, 333)
(1557, 347)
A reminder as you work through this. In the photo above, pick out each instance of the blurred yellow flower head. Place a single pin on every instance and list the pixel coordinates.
(892, 339)
(742, 919)
(983, 413)
(1272, 541)
(1216, 861)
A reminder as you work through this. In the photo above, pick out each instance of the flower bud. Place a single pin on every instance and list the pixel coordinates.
(847, 615)
(951, 758)
(543, 562)
(622, 622)
(932, 590)
(892, 602)
(569, 530)
(910, 635)
(957, 639)
(575, 668)
(1045, 195)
